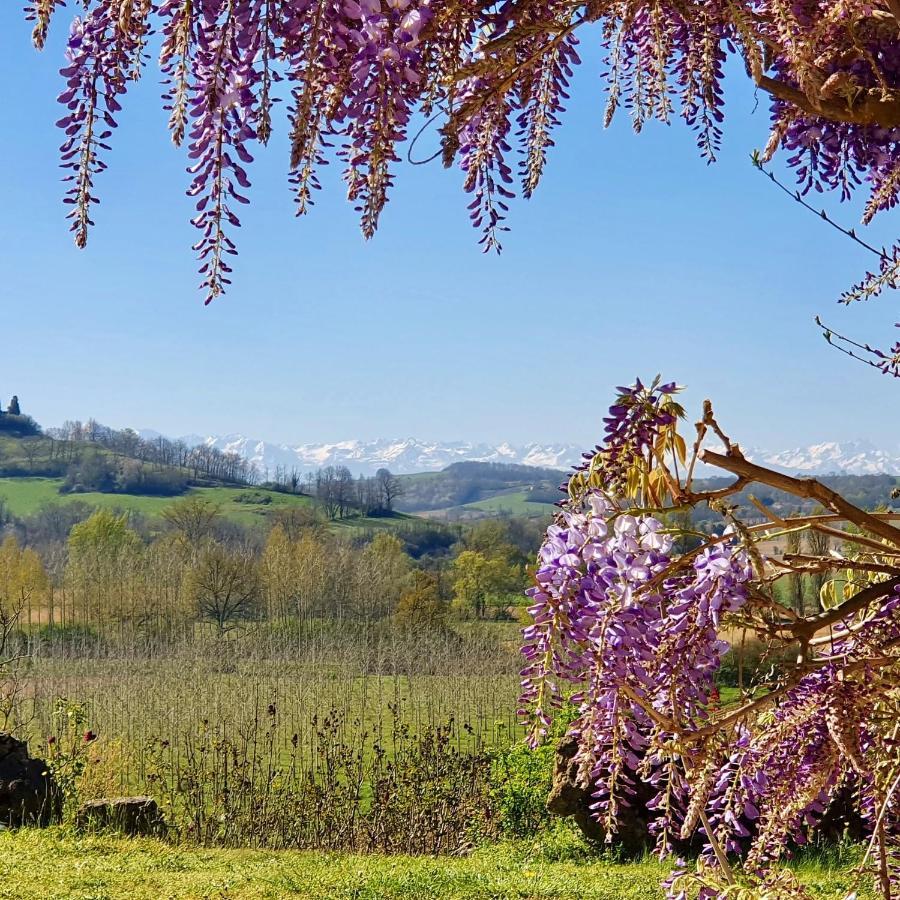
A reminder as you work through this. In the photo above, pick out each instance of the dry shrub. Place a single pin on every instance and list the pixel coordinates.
(105, 771)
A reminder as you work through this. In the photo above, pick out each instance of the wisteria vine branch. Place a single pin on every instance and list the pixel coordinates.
(639, 631)
(356, 72)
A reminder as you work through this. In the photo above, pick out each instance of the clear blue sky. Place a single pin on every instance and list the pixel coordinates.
(634, 257)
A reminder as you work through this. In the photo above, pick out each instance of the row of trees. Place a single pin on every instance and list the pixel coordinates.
(340, 494)
(118, 577)
(201, 461)
(94, 457)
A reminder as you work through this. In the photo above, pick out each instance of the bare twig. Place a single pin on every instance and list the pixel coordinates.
(824, 563)
(797, 197)
(807, 488)
(854, 604)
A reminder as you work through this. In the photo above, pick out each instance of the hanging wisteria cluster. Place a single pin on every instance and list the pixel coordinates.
(632, 634)
(354, 72)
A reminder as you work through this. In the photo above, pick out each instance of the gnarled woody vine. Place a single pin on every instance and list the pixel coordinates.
(638, 631)
(355, 71)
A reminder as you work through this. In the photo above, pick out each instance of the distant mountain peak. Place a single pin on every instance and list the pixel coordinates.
(401, 456)
(410, 455)
(858, 457)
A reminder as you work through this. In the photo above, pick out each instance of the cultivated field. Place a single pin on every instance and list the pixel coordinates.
(139, 701)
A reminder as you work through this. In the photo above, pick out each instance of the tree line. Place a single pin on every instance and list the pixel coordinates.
(94, 457)
(340, 494)
(198, 461)
(123, 580)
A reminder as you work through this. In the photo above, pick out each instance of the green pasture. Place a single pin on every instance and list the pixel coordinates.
(25, 497)
(241, 504)
(516, 503)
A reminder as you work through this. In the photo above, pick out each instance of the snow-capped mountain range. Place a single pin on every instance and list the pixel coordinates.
(833, 458)
(402, 457)
(411, 455)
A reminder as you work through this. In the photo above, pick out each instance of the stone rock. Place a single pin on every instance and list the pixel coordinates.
(28, 793)
(134, 816)
(841, 820)
(569, 798)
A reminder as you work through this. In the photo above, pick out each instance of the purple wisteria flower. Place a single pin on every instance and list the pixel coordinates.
(631, 634)
(358, 71)
(637, 655)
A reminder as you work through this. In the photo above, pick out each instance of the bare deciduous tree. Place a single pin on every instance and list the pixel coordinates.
(390, 488)
(225, 587)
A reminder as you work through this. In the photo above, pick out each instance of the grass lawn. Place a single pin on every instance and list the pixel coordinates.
(37, 865)
(366, 524)
(25, 496)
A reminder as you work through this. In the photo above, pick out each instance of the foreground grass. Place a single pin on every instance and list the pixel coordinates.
(35, 865)
(53, 864)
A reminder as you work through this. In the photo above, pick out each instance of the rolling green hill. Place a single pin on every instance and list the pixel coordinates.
(472, 489)
(25, 496)
(99, 467)
(514, 503)
(37, 471)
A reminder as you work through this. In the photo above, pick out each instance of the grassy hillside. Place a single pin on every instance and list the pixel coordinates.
(25, 496)
(244, 505)
(37, 470)
(473, 489)
(469, 491)
(516, 503)
(12, 448)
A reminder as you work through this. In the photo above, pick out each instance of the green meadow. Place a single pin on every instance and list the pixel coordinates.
(36, 865)
(241, 504)
(515, 503)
